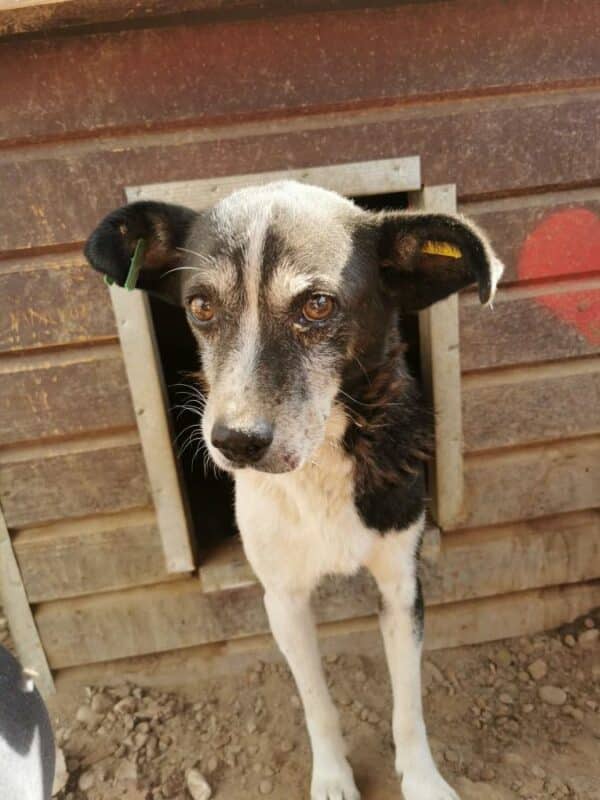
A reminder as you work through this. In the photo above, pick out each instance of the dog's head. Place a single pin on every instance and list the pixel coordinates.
(291, 292)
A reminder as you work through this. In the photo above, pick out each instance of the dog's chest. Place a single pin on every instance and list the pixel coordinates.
(302, 525)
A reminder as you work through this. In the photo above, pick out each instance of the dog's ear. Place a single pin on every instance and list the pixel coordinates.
(426, 257)
(162, 229)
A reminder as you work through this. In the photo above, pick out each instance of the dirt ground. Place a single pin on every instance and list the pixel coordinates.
(513, 719)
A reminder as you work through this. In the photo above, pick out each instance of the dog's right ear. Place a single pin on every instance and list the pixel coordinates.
(164, 229)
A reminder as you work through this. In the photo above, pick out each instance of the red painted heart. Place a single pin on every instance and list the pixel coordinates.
(566, 243)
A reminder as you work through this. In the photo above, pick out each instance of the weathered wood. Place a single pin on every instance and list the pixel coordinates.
(534, 482)
(531, 404)
(440, 368)
(563, 227)
(358, 179)
(488, 620)
(20, 617)
(82, 557)
(64, 393)
(536, 324)
(48, 305)
(82, 477)
(146, 384)
(493, 561)
(280, 66)
(507, 616)
(472, 564)
(493, 145)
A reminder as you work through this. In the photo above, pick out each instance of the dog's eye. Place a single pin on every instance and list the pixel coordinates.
(318, 307)
(201, 309)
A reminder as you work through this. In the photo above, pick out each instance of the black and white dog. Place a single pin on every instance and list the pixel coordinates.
(293, 294)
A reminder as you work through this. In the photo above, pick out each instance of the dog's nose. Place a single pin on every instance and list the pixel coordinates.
(242, 447)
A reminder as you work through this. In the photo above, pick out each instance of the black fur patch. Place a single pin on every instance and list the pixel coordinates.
(419, 612)
(390, 436)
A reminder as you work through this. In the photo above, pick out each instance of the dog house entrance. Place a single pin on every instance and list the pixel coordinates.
(194, 504)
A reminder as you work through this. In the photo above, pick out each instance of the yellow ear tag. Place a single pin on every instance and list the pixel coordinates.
(441, 249)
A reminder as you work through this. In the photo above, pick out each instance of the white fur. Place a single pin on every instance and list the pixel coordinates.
(297, 527)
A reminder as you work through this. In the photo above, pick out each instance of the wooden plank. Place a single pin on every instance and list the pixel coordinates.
(534, 482)
(362, 178)
(146, 384)
(16, 607)
(97, 554)
(547, 235)
(534, 324)
(64, 393)
(494, 145)
(47, 306)
(181, 614)
(487, 620)
(440, 368)
(89, 476)
(275, 67)
(531, 404)
(507, 616)
(494, 561)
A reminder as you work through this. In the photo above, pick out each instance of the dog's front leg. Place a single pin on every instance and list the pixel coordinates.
(294, 629)
(401, 619)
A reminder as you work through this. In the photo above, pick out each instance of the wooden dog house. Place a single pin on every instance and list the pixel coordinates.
(431, 102)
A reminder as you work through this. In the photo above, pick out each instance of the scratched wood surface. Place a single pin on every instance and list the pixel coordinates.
(493, 145)
(275, 64)
(57, 482)
(81, 391)
(531, 405)
(44, 305)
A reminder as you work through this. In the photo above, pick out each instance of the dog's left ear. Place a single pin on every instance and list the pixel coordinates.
(426, 257)
(151, 232)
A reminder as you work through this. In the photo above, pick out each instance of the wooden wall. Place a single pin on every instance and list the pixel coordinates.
(499, 97)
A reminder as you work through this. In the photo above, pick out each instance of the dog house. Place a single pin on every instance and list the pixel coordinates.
(430, 104)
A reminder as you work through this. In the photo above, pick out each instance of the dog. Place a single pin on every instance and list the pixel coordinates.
(294, 295)
(27, 750)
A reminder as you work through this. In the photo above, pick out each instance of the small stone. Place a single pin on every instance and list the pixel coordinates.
(575, 713)
(125, 706)
(588, 639)
(86, 781)
(528, 708)
(126, 771)
(101, 703)
(569, 640)
(538, 669)
(589, 622)
(87, 717)
(212, 765)
(513, 759)
(286, 746)
(331, 659)
(503, 658)
(553, 695)
(538, 772)
(251, 726)
(265, 786)
(197, 785)
(506, 699)
(488, 773)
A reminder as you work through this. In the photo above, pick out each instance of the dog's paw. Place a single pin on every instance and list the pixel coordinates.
(426, 785)
(333, 781)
